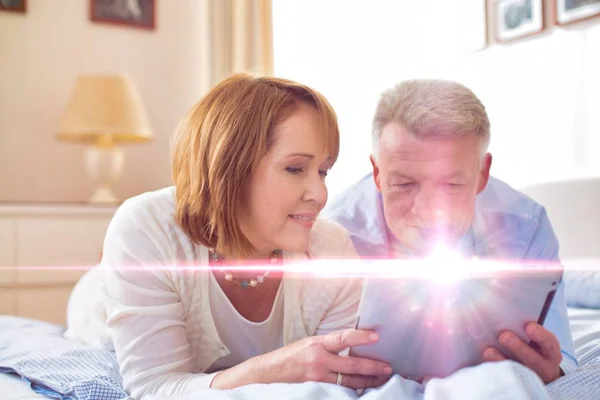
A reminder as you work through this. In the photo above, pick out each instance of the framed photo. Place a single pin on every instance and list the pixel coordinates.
(516, 19)
(19, 6)
(568, 11)
(131, 13)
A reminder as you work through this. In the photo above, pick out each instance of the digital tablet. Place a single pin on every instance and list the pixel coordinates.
(432, 327)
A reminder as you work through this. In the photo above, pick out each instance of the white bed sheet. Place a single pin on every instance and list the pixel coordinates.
(13, 388)
(585, 327)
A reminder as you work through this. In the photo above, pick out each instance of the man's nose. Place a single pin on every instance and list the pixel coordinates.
(429, 208)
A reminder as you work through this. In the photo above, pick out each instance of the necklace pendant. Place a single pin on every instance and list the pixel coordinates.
(244, 284)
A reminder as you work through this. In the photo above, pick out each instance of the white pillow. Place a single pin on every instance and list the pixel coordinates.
(582, 282)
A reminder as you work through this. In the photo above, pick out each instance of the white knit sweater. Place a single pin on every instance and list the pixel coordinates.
(159, 319)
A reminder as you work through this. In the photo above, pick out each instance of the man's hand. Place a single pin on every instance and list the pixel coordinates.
(543, 357)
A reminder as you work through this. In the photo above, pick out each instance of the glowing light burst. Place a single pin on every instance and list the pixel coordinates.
(455, 300)
(445, 266)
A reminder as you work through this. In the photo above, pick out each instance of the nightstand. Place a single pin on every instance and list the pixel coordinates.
(44, 250)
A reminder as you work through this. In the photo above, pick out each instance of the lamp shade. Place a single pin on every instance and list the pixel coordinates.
(104, 109)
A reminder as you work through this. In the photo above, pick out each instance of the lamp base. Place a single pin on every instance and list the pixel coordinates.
(104, 164)
(103, 195)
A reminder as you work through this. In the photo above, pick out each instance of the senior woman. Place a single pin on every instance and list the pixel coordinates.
(249, 164)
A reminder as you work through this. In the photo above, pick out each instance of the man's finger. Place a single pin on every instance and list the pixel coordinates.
(491, 354)
(338, 341)
(548, 343)
(525, 354)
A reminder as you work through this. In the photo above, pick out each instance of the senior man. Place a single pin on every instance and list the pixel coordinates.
(431, 184)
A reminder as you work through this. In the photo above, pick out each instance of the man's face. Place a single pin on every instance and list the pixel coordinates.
(429, 186)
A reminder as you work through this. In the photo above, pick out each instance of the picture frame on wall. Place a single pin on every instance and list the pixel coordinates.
(139, 14)
(18, 6)
(516, 19)
(570, 11)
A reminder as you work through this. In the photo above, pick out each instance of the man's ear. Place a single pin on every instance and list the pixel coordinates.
(376, 175)
(484, 173)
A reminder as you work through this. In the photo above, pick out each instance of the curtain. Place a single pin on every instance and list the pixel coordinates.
(241, 38)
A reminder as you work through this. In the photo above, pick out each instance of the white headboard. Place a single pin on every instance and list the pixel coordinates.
(574, 210)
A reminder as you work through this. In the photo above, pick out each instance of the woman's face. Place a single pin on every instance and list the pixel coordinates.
(286, 192)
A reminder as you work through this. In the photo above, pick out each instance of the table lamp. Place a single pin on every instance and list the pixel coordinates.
(103, 112)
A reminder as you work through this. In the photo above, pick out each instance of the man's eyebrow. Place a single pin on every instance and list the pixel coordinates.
(398, 174)
(457, 174)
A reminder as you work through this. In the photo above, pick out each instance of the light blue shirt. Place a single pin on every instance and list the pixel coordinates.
(507, 225)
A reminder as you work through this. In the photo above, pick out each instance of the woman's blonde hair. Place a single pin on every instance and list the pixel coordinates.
(218, 146)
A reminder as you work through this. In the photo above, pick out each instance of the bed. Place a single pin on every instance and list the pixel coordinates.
(14, 388)
(53, 366)
(37, 350)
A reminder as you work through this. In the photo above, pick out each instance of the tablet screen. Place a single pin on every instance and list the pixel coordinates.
(431, 327)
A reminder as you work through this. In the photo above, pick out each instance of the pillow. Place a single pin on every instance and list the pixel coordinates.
(582, 282)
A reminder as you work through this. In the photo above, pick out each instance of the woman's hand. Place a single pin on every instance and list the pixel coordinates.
(311, 359)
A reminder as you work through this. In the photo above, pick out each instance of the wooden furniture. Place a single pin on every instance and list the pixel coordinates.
(44, 249)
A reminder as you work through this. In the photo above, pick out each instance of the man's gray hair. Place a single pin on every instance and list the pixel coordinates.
(430, 108)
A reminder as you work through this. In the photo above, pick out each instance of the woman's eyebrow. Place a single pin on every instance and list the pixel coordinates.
(310, 156)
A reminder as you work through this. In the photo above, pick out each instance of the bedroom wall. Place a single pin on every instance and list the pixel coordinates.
(42, 52)
(542, 93)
